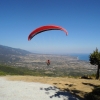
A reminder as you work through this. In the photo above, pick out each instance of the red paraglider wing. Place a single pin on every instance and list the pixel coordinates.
(45, 28)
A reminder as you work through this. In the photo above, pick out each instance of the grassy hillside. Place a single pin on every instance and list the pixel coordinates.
(10, 70)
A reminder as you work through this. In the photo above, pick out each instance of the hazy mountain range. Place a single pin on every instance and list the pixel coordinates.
(5, 50)
(11, 54)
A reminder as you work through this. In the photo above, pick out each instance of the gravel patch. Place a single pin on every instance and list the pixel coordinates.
(19, 90)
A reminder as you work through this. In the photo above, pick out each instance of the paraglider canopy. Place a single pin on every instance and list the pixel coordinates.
(45, 28)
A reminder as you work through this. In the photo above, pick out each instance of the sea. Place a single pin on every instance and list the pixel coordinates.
(83, 57)
(79, 56)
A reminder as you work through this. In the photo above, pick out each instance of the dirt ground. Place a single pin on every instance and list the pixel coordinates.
(76, 86)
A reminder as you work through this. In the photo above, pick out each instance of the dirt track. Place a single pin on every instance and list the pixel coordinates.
(78, 86)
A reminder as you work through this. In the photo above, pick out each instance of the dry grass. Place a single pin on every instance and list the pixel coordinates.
(77, 86)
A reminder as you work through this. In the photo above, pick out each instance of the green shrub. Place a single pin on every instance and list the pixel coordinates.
(2, 73)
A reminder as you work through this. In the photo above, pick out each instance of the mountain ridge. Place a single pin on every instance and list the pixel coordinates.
(10, 54)
(6, 50)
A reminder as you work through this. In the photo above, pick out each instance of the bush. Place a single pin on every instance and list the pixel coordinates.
(2, 73)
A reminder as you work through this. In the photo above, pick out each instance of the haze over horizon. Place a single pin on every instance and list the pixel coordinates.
(80, 18)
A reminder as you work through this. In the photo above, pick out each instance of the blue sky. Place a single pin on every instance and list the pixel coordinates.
(81, 18)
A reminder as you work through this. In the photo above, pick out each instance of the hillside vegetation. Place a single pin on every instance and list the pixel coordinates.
(10, 70)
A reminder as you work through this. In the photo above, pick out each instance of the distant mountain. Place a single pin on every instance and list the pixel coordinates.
(9, 54)
(5, 50)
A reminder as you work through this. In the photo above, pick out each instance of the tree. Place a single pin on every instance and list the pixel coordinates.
(95, 60)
